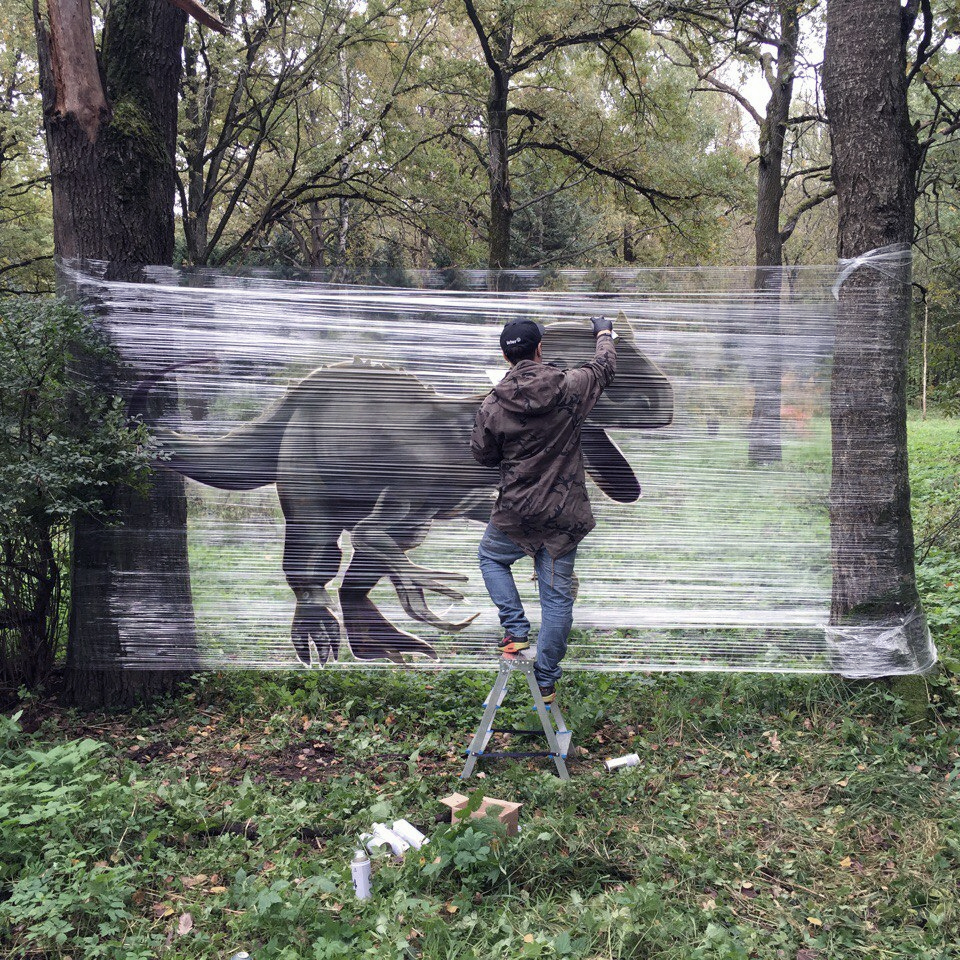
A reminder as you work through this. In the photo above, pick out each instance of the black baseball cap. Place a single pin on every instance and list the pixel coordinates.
(522, 334)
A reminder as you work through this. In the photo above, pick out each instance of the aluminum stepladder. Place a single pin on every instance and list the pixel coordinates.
(558, 739)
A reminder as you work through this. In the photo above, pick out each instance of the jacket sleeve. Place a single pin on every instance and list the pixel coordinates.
(590, 380)
(483, 443)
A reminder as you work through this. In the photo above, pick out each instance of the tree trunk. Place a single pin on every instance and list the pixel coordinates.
(341, 270)
(318, 249)
(193, 198)
(498, 142)
(764, 446)
(112, 175)
(874, 161)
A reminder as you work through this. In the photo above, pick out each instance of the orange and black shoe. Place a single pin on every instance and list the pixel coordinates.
(548, 694)
(511, 644)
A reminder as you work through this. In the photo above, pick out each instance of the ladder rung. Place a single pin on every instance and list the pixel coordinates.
(533, 733)
(515, 753)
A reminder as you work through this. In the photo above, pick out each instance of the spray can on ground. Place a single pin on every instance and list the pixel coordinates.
(630, 760)
(409, 833)
(360, 871)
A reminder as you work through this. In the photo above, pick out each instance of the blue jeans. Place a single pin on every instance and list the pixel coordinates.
(555, 582)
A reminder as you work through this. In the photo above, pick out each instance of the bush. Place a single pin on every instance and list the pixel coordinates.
(61, 449)
(64, 880)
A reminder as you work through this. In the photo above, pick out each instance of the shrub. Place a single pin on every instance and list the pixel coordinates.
(65, 878)
(61, 448)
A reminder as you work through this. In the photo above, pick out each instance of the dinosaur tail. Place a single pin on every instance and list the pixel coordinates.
(137, 405)
(243, 459)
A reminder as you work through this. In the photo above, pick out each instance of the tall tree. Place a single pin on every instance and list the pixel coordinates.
(874, 165)
(710, 39)
(290, 115)
(515, 39)
(110, 117)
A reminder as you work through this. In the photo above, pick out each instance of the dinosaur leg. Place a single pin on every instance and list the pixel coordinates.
(378, 553)
(371, 635)
(311, 558)
(387, 534)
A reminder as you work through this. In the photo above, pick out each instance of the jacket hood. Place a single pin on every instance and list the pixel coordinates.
(530, 388)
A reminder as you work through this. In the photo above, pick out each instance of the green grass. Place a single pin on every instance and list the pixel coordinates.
(768, 816)
(791, 817)
(935, 483)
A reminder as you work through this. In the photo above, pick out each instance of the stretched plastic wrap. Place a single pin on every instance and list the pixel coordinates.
(334, 509)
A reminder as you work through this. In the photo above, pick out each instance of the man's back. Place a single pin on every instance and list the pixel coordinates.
(529, 425)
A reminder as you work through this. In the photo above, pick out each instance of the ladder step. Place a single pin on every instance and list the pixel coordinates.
(516, 753)
(531, 733)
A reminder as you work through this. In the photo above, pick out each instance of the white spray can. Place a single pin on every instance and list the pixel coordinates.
(630, 760)
(360, 871)
(409, 833)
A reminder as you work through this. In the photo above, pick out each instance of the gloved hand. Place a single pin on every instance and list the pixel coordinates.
(600, 324)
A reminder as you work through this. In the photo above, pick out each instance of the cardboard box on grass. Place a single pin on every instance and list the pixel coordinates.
(508, 813)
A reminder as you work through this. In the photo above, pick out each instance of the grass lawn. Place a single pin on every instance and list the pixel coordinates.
(791, 817)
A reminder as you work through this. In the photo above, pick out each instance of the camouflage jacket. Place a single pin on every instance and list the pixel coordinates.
(529, 425)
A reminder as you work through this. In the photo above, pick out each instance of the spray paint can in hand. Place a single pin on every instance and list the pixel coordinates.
(360, 870)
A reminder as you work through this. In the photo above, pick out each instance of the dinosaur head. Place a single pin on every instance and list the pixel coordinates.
(639, 398)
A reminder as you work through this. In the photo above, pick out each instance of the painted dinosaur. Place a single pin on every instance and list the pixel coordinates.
(373, 450)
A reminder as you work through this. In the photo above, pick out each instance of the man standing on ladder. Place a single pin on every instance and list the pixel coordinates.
(529, 425)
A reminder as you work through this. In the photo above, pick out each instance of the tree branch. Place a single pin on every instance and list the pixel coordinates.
(791, 224)
(195, 9)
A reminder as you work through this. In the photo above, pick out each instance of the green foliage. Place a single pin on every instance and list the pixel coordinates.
(768, 816)
(26, 227)
(66, 873)
(464, 856)
(61, 449)
(942, 357)
(935, 485)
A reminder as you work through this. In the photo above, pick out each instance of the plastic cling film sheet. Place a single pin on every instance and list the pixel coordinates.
(334, 510)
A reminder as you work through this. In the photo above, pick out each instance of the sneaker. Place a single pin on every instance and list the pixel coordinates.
(548, 694)
(510, 644)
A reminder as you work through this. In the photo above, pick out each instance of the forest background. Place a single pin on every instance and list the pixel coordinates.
(366, 142)
(360, 141)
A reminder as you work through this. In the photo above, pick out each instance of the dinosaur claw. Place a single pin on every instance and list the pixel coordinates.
(415, 604)
(371, 637)
(315, 622)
